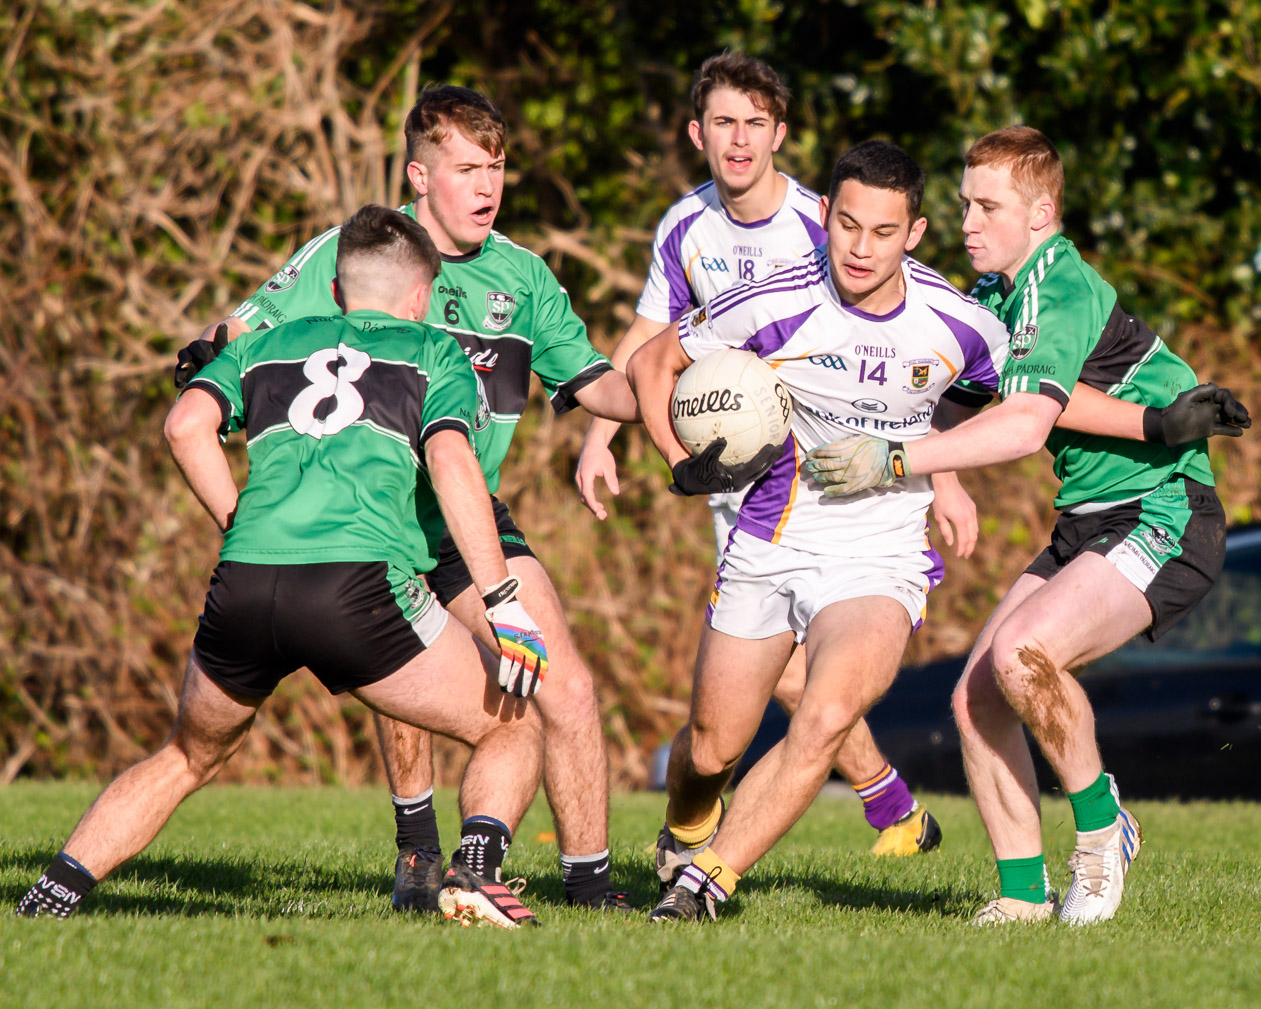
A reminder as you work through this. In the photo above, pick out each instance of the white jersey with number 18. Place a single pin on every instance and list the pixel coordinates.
(701, 250)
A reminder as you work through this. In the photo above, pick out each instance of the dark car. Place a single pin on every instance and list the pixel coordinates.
(1177, 718)
(1180, 718)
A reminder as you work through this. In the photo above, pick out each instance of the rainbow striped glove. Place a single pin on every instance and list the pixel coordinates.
(522, 653)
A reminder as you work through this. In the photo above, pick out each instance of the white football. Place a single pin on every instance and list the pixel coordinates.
(731, 394)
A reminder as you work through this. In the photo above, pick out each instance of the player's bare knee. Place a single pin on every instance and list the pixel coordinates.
(978, 701)
(818, 730)
(711, 753)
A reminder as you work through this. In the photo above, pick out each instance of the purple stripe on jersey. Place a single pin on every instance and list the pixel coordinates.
(766, 501)
(813, 228)
(750, 224)
(978, 366)
(854, 310)
(795, 278)
(796, 271)
(931, 278)
(672, 263)
(770, 338)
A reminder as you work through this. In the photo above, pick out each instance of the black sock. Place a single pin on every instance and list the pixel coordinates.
(416, 823)
(483, 844)
(60, 889)
(586, 877)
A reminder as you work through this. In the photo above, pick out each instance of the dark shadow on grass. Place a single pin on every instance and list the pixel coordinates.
(222, 884)
(943, 902)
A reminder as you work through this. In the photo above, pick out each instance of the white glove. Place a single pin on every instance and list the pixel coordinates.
(857, 462)
(522, 653)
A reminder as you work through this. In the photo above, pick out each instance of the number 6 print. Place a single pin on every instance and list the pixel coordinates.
(337, 384)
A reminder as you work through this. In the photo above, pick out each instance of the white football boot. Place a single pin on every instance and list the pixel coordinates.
(1099, 864)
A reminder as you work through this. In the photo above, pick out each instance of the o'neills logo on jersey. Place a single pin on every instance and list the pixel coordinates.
(715, 401)
(283, 279)
(1023, 341)
(499, 308)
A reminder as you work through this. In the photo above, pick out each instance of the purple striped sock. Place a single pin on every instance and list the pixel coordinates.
(886, 799)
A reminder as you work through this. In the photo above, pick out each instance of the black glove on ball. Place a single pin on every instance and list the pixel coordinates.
(704, 474)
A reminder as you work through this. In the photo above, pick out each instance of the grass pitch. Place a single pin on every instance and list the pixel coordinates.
(280, 897)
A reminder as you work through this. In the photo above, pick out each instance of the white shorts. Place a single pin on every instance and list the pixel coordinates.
(765, 588)
(726, 509)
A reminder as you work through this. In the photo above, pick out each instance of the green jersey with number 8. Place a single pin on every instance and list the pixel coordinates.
(336, 413)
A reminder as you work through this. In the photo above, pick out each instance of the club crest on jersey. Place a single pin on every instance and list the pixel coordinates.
(1023, 341)
(283, 279)
(499, 308)
(1158, 539)
(919, 376)
(482, 418)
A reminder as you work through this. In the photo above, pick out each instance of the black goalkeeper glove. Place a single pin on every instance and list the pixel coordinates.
(1197, 413)
(198, 354)
(704, 474)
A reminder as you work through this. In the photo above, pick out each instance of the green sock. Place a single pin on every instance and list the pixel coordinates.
(1095, 806)
(1023, 878)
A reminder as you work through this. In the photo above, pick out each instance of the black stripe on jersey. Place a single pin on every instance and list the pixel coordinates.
(565, 399)
(393, 396)
(1124, 342)
(503, 365)
(965, 396)
(225, 408)
(445, 424)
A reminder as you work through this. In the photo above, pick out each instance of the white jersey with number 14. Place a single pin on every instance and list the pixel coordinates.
(849, 371)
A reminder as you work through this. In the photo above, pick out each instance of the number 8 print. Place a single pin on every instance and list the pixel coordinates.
(336, 384)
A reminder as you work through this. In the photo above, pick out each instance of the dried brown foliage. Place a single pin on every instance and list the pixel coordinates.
(156, 164)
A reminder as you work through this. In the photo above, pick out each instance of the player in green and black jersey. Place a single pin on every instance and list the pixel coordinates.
(1139, 542)
(511, 316)
(358, 429)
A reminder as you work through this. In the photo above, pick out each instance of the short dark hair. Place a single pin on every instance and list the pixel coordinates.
(881, 165)
(1031, 158)
(439, 109)
(741, 73)
(380, 232)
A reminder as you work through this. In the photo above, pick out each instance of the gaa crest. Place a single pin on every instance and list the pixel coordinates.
(499, 308)
(283, 279)
(919, 376)
(1023, 341)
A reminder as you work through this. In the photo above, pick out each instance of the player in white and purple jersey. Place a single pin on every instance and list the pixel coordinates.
(851, 370)
(865, 339)
(746, 223)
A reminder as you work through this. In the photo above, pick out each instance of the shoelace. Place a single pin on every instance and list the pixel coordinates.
(1091, 869)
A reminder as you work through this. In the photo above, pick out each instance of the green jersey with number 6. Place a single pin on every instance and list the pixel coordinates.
(501, 304)
(1066, 327)
(336, 413)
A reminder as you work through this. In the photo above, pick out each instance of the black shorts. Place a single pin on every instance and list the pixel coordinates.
(451, 576)
(351, 624)
(1169, 544)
